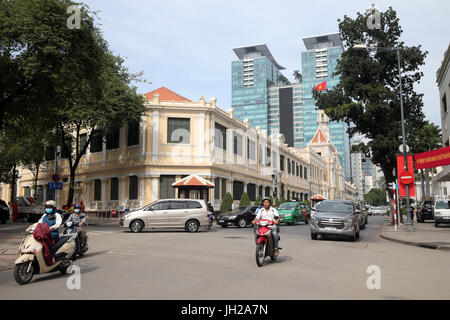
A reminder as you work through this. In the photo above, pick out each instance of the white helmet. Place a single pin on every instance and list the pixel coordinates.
(51, 203)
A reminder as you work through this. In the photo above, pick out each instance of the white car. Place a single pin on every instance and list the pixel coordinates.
(190, 214)
(441, 212)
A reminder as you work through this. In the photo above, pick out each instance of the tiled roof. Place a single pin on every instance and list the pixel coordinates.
(193, 181)
(166, 95)
(319, 137)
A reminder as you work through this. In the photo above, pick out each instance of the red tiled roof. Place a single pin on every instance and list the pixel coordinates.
(193, 181)
(319, 137)
(166, 95)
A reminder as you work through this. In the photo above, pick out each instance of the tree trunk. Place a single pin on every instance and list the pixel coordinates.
(36, 178)
(13, 186)
(71, 185)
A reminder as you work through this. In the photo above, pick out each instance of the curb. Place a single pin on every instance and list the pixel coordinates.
(416, 244)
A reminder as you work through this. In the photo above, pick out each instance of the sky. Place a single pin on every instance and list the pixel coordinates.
(187, 46)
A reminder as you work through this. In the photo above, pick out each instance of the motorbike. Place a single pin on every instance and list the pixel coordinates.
(31, 257)
(71, 229)
(264, 241)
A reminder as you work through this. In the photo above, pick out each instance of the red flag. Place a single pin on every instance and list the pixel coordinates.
(321, 86)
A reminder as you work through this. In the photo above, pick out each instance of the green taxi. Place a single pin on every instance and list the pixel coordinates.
(293, 212)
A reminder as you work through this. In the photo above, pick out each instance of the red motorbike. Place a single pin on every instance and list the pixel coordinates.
(264, 242)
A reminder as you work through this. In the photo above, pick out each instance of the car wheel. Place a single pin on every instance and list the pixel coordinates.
(192, 226)
(136, 226)
(357, 234)
(295, 221)
(436, 224)
(242, 223)
(313, 236)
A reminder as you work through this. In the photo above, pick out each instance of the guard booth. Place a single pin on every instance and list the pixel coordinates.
(193, 187)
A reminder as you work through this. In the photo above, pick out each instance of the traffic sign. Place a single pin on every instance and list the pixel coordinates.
(55, 186)
(401, 148)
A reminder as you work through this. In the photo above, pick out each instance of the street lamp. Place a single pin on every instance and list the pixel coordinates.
(409, 226)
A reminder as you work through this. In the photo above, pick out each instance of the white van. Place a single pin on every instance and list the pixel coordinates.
(441, 212)
(190, 214)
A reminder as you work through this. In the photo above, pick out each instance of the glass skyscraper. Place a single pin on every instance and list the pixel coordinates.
(319, 63)
(252, 75)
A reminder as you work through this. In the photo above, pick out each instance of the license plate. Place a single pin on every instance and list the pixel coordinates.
(330, 229)
(221, 221)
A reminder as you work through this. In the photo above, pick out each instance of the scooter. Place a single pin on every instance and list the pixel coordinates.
(31, 260)
(264, 242)
(71, 229)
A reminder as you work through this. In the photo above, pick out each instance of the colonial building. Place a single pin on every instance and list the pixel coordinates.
(177, 137)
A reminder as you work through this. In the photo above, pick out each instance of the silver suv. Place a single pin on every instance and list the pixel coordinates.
(189, 214)
(335, 218)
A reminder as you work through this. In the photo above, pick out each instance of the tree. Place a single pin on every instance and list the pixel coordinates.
(298, 76)
(367, 95)
(283, 80)
(375, 197)
(258, 200)
(245, 200)
(227, 201)
(276, 201)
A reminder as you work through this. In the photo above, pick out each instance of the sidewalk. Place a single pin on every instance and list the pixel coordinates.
(424, 235)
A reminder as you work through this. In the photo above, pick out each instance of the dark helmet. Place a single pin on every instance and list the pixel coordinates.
(208, 203)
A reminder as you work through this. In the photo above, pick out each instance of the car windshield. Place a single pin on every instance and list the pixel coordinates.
(337, 207)
(238, 210)
(443, 205)
(287, 206)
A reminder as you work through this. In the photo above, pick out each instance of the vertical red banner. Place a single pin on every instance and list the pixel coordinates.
(405, 177)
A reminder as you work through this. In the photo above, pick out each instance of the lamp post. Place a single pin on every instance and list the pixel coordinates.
(409, 226)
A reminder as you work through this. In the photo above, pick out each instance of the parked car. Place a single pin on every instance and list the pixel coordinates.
(425, 211)
(240, 217)
(363, 214)
(335, 218)
(190, 214)
(293, 212)
(4, 212)
(379, 211)
(441, 212)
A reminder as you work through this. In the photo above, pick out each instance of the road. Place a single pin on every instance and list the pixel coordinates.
(220, 264)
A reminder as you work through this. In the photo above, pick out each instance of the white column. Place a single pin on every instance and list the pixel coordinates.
(201, 136)
(104, 193)
(155, 136)
(87, 196)
(213, 137)
(155, 188)
(142, 128)
(104, 152)
(122, 191)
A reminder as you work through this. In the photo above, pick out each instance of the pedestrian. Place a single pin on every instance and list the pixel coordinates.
(233, 205)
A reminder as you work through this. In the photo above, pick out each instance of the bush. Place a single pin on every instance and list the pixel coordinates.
(245, 200)
(227, 201)
(258, 200)
(283, 200)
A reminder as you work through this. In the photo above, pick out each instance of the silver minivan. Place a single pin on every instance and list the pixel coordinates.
(190, 214)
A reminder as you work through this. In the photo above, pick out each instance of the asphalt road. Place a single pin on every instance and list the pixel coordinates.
(220, 264)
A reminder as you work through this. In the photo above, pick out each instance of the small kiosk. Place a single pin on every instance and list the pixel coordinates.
(316, 199)
(193, 187)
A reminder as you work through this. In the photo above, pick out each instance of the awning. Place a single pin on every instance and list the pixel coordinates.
(318, 197)
(193, 181)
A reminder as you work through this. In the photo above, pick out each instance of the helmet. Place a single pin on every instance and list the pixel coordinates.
(208, 203)
(77, 206)
(50, 203)
(266, 198)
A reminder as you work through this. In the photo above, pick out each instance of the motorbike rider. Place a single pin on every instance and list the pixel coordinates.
(269, 213)
(78, 219)
(52, 218)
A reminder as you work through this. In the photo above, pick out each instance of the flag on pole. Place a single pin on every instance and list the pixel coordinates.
(321, 86)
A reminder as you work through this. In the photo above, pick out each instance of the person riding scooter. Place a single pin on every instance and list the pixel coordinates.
(270, 213)
(52, 219)
(78, 219)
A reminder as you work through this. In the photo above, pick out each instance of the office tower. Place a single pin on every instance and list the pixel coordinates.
(319, 62)
(252, 75)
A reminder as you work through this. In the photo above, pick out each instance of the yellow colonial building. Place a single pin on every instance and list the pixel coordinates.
(177, 137)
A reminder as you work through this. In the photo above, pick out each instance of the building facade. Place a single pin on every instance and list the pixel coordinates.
(178, 137)
(319, 63)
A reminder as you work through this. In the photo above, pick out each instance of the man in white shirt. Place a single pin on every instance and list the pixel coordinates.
(269, 213)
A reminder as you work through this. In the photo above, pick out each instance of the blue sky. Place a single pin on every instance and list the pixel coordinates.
(186, 46)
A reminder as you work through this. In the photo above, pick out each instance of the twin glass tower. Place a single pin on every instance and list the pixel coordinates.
(259, 96)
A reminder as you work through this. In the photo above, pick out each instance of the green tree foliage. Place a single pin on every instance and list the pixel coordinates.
(258, 200)
(283, 200)
(227, 201)
(283, 80)
(368, 95)
(276, 201)
(298, 76)
(245, 200)
(375, 197)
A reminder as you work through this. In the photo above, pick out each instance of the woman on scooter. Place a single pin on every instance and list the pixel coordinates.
(270, 213)
(52, 219)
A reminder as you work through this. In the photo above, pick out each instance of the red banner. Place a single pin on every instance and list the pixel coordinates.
(405, 177)
(432, 159)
